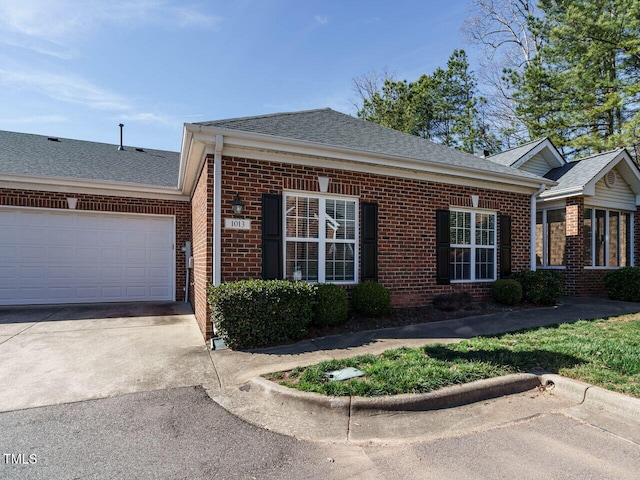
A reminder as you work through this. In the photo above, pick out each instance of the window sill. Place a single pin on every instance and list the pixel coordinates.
(472, 281)
(559, 267)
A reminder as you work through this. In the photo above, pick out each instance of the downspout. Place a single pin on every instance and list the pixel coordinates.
(532, 233)
(217, 210)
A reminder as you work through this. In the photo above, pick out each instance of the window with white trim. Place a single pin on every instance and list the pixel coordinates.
(473, 245)
(607, 238)
(320, 238)
(551, 237)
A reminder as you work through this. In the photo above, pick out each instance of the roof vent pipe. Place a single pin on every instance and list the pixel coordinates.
(121, 147)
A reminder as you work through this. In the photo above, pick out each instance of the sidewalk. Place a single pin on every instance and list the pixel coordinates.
(317, 417)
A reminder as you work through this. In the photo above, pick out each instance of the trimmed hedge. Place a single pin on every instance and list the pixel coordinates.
(331, 305)
(623, 284)
(507, 291)
(371, 299)
(259, 313)
(540, 287)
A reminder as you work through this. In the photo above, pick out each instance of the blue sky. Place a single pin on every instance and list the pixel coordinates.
(78, 68)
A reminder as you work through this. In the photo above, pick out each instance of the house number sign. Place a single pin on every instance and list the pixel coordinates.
(237, 223)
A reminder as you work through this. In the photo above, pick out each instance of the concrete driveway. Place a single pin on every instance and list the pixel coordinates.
(69, 353)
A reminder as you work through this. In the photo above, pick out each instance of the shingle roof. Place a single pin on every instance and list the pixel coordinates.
(575, 175)
(509, 157)
(328, 127)
(36, 155)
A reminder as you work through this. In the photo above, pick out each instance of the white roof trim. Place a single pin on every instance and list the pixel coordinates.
(72, 185)
(269, 146)
(545, 145)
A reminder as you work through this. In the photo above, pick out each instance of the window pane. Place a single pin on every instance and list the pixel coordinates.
(340, 219)
(485, 229)
(301, 217)
(587, 232)
(556, 237)
(460, 263)
(614, 238)
(485, 264)
(625, 240)
(539, 239)
(340, 262)
(460, 228)
(302, 261)
(600, 234)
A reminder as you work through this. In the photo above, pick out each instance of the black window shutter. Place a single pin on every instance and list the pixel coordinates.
(369, 253)
(271, 236)
(505, 246)
(443, 248)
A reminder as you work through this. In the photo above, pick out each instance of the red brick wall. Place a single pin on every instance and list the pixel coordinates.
(406, 217)
(105, 203)
(202, 246)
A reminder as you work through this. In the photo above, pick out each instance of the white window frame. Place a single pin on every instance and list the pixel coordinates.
(474, 247)
(322, 240)
(606, 266)
(545, 240)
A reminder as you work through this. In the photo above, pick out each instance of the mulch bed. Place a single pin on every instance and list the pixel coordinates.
(399, 317)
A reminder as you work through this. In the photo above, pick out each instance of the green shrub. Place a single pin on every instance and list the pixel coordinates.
(371, 299)
(623, 284)
(507, 291)
(258, 313)
(540, 287)
(331, 305)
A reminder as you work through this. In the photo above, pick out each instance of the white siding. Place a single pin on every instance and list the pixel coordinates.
(620, 196)
(536, 165)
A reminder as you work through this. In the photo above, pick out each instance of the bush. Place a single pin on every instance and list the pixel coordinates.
(331, 305)
(507, 291)
(371, 299)
(540, 287)
(623, 284)
(258, 313)
(451, 302)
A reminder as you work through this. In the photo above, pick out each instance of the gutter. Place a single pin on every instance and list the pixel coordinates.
(532, 232)
(217, 210)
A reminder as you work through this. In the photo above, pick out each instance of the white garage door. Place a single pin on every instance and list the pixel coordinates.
(49, 256)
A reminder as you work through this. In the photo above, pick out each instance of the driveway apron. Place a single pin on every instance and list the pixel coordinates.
(69, 353)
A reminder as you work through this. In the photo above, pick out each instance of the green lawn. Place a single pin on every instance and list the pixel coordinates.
(601, 352)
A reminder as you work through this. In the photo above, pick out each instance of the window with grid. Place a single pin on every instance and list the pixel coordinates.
(320, 239)
(473, 245)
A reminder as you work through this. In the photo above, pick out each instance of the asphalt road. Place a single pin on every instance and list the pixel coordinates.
(182, 434)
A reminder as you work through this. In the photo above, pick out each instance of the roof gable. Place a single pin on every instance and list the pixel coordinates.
(541, 152)
(581, 176)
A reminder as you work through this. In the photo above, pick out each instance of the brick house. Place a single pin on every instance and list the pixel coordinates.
(585, 224)
(315, 196)
(330, 198)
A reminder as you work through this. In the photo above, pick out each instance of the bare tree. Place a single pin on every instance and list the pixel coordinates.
(368, 84)
(506, 29)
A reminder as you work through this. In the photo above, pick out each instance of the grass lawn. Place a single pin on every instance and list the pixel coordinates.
(601, 352)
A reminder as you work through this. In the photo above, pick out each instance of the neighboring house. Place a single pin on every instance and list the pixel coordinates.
(585, 224)
(325, 197)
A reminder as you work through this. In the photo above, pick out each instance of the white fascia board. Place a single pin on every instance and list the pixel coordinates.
(71, 185)
(573, 192)
(268, 147)
(629, 172)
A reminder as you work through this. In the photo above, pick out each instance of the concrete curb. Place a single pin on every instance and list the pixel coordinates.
(288, 395)
(447, 397)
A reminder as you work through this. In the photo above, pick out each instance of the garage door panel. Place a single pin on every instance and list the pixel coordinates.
(59, 257)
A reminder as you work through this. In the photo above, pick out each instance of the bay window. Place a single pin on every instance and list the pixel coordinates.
(320, 238)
